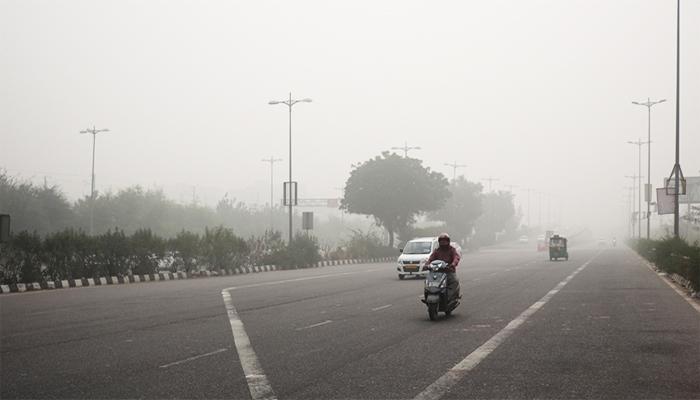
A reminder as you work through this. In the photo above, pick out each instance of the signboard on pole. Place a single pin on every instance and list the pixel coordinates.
(307, 220)
(664, 201)
(290, 194)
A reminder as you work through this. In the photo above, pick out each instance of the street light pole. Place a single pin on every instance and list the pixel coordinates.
(647, 190)
(635, 192)
(289, 103)
(94, 131)
(639, 144)
(272, 162)
(406, 149)
(454, 169)
(677, 165)
(490, 180)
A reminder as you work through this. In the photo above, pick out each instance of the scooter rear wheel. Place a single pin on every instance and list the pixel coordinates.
(433, 311)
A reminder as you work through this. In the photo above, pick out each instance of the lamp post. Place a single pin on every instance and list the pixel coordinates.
(454, 166)
(639, 144)
(272, 161)
(290, 103)
(406, 149)
(94, 131)
(647, 190)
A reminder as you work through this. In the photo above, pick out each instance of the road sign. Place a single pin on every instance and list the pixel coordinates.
(664, 202)
(307, 220)
(290, 194)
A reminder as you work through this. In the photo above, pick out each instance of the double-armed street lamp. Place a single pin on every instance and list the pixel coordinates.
(290, 103)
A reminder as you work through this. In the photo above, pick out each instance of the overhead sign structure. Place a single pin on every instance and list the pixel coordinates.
(290, 194)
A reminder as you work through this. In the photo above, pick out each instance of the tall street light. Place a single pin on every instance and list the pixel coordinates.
(647, 190)
(94, 131)
(454, 166)
(639, 144)
(289, 103)
(634, 179)
(406, 149)
(677, 166)
(272, 161)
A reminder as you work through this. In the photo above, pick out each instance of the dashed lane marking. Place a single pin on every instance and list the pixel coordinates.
(441, 386)
(326, 322)
(381, 308)
(211, 353)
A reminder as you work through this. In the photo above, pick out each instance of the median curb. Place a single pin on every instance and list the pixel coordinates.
(167, 276)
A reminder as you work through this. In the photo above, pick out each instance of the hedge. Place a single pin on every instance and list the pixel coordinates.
(672, 255)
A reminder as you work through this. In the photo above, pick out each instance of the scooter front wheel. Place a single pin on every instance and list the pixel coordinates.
(432, 311)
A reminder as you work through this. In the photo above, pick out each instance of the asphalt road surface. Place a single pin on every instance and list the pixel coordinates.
(601, 325)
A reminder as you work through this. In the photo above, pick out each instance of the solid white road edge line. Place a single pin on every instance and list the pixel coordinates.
(668, 281)
(211, 353)
(258, 384)
(441, 386)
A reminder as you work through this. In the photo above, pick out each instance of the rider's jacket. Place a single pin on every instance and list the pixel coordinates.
(449, 255)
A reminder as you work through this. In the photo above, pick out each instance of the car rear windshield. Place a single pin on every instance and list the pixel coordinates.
(418, 248)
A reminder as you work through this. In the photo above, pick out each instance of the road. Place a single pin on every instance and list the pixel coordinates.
(601, 325)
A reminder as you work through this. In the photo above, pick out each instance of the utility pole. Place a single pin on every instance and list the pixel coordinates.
(94, 131)
(272, 161)
(454, 166)
(528, 190)
(406, 149)
(647, 190)
(639, 144)
(289, 103)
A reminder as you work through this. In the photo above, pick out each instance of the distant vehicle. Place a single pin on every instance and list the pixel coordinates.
(541, 243)
(602, 242)
(557, 248)
(523, 239)
(415, 254)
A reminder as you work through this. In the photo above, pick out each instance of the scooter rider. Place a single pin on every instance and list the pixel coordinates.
(447, 253)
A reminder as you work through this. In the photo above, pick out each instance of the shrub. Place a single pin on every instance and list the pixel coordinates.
(221, 249)
(21, 259)
(673, 255)
(367, 245)
(67, 254)
(186, 249)
(112, 251)
(146, 251)
(303, 251)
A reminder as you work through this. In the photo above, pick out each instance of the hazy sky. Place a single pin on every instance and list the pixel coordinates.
(535, 93)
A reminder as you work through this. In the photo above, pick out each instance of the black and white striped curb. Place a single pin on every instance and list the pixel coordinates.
(164, 276)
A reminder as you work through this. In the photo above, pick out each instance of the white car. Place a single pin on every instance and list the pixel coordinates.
(415, 254)
(523, 239)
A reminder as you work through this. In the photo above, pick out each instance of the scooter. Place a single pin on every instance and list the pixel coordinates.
(435, 294)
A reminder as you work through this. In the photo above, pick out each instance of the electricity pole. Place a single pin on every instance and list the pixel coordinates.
(490, 180)
(289, 103)
(272, 162)
(406, 149)
(94, 131)
(647, 190)
(634, 179)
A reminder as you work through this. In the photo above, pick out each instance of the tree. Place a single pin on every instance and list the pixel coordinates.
(185, 247)
(394, 190)
(221, 249)
(498, 211)
(462, 209)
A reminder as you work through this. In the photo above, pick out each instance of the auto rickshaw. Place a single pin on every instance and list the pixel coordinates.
(557, 248)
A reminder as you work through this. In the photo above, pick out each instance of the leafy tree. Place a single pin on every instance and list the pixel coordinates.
(394, 190)
(40, 209)
(462, 209)
(498, 211)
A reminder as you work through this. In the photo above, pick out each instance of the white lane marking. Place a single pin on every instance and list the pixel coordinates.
(326, 322)
(381, 308)
(441, 386)
(307, 278)
(211, 353)
(258, 385)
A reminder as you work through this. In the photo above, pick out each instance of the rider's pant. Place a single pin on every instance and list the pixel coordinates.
(452, 285)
